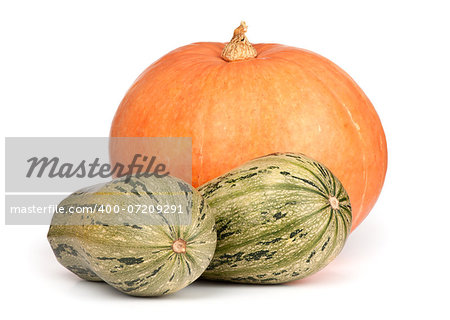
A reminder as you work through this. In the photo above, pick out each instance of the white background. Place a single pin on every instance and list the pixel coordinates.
(65, 66)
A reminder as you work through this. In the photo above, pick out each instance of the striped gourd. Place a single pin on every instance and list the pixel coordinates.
(137, 252)
(279, 218)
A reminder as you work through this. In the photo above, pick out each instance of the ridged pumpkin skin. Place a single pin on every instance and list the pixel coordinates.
(126, 250)
(279, 218)
(285, 99)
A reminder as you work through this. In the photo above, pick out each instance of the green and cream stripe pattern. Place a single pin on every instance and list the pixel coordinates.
(136, 256)
(279, 218)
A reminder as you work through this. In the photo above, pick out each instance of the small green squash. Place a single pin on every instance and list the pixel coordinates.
(147, 236)
(279, 218)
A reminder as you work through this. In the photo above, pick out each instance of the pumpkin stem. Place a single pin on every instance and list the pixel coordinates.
(239, 48)
(179, 246)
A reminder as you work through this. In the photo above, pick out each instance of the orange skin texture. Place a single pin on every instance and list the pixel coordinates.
(284, 100)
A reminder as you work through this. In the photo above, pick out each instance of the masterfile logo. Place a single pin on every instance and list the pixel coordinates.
(40, 172)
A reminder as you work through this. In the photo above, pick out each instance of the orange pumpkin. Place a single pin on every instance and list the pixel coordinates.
(239, 102)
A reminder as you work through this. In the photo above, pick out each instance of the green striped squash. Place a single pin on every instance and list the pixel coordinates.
(157, 238)
(279, 218)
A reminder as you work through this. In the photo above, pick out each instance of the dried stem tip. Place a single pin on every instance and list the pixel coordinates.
(334, 202)
(179, 246)
(239, 48)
